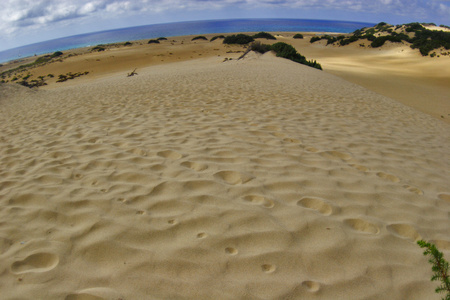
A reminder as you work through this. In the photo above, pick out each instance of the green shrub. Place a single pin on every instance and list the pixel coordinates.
(287, 51)
(240, 39)
(200, 37)
(161, 39)
(217, 37)
(50, 75)
(260, 48)
(57, 53)
(128, 44)
(264, 35)
(440, 267)
(298, 36)
(315, 39)
(153, 42)
(98, 48)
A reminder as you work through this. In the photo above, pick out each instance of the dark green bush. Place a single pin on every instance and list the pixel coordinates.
(57, 53)
(287, 51)
(240, 39)
(298, 36)
(128, 44)
(217, 37)
(264, 35)
(200, 37)
(161, 39)
(315, 39)
(153, 42)
(260, 48)
(98, 48)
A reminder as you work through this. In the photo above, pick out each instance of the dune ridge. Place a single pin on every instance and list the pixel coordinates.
(251, 179)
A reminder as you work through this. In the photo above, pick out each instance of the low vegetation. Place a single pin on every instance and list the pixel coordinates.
(128, 44)
(200, 37)
(239, 39)
(161, 39)
(282, 50)
(413, 33)
(153, 42)
(98, 48)
(440, 267)
(217, 37)
(298, 36)
(69, 76)
(264, 35)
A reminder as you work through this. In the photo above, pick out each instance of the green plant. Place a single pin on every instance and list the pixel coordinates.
(440, 267)
(128, 44)
(98, 48)
(162, 39)
(153, 42)
(264, 35)
(240, 39)
(56, 54)
(315, 39)
(287, 51)
(260, 48)
(217, 37)
(200, 37)
(50, 75)
(298, 36)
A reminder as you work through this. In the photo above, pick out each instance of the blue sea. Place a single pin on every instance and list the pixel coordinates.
(179, 29)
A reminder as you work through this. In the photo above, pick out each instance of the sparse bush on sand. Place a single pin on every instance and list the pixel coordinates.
(217, 37)
(200, 37)
(128, 44)
(287, 51)
(264, 35)
(259, 47)
(161, 39)
(153, 42)
(98, 48)
(298, 36)
(240, 39)
(440, 267)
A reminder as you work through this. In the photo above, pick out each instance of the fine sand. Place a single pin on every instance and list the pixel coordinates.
(257, 178)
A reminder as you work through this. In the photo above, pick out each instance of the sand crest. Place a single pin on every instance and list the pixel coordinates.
(203, 179)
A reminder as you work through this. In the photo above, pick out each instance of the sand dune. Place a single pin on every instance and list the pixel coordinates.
(251, 179)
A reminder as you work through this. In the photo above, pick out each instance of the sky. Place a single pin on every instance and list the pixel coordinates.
(24, 22)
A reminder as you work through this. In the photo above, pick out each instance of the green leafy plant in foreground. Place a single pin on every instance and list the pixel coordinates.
(440, 267)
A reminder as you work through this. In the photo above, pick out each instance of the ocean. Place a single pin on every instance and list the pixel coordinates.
(178, 29)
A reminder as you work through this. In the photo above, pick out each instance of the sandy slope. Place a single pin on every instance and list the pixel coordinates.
(253, 179)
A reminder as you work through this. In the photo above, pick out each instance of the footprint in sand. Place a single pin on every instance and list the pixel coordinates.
(413, 189)
(389, 177)
(293, 141)
(362, 226)
(201, 235)
(312, 149)
(35, 263)
(445, 197)
(194, 166)
(311, 286)
(232, 177)
(404, 231)
(259, 200)
(268, 268)
(97, 293)
(359, 168)
(336, 155)
(83, 296)
(231, 251)
(169, 154)
(316, 204)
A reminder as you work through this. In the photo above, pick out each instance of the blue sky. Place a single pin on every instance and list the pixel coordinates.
(25, 22)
